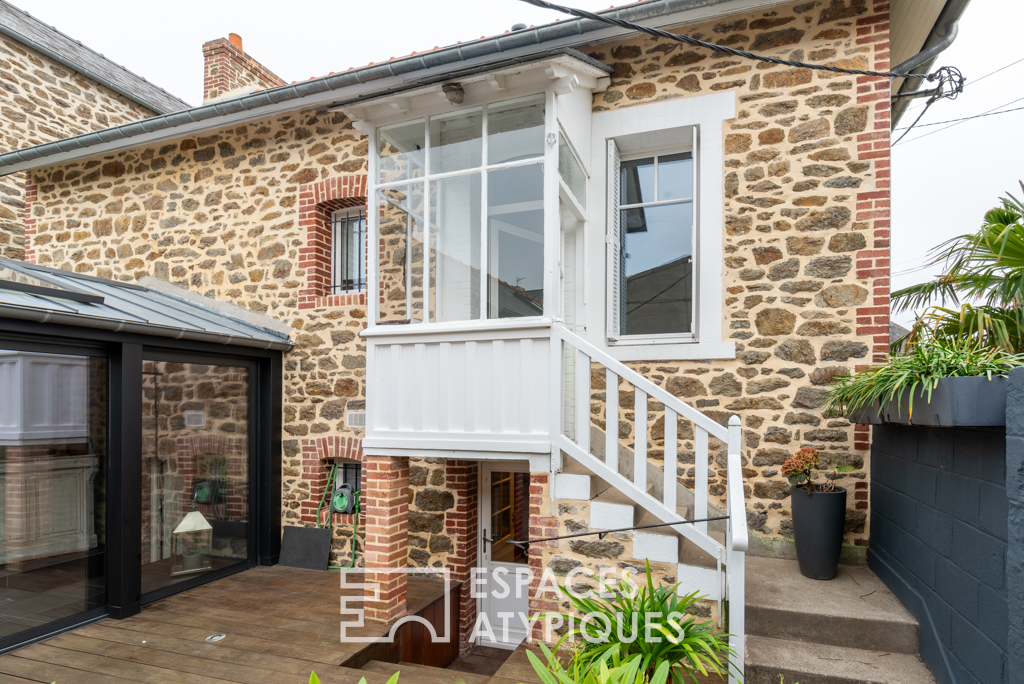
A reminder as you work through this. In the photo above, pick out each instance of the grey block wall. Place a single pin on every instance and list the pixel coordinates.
(1015, 527)
(939, 541)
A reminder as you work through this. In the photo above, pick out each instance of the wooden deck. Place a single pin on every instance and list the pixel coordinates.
(281, 624)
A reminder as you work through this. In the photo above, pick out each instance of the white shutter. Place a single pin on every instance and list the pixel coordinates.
(614, 241)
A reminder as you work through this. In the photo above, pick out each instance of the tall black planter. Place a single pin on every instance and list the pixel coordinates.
(818, 525)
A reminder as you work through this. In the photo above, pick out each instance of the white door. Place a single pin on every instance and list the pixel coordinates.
(504, 575)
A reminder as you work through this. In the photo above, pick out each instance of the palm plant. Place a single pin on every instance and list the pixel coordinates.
(612, 668)
(618, 627)
(980, 295)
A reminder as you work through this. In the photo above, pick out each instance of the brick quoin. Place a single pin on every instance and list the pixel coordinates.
(317, 201)
(31, 196)
(542, 600)
(461, 525)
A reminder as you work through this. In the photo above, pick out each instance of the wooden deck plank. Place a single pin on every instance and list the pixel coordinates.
(11, 679)
(316, 653)
(232, 672)
(198, 649)
(15, 665)
(122, 669)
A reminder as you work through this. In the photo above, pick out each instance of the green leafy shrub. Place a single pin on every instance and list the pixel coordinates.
(688, 646)
(918, 371)
(611, 668)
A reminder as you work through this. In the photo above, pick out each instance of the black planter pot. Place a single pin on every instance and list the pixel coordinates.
(818, 524)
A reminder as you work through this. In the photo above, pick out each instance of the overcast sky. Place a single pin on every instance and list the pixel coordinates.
(942, 183)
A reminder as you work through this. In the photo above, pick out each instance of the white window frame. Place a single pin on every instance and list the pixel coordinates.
(615, 335)
(336, 262)
(548, 161)
(691, 123)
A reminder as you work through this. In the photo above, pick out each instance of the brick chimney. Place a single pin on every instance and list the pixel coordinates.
(228, 71)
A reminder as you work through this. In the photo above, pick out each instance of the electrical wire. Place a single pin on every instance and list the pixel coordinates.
(990, 111)
(966, 118)
(975, 81)
(948, 77)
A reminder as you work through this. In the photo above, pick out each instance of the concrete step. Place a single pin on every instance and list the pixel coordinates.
(424, 674)
(854, 610)
(806, 663)
(575, 482)
(612, 509)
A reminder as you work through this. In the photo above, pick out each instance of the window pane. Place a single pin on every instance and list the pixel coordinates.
(400, 256)
(349, 241)
(637, 181)
(400, 151)
(657, 293)
(455, 248)
(53, 506)
(456, 141)
(571, 172)
(195, 459)
(515, 130)
(515, 242)
(675, 176)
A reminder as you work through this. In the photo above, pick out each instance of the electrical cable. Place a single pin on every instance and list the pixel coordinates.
(946, 76)
(927, 106)
(966, 118)
(975, 82)
(990, 111)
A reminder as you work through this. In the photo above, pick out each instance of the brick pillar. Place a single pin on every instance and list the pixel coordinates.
(462, 527)
(385, 499)
(542, 524)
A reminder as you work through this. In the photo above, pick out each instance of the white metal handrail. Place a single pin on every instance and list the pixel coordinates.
(733, 552)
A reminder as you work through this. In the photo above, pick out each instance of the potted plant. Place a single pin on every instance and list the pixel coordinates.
(939, 381)
(819, 518)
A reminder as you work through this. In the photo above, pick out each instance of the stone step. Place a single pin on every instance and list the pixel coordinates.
(854, 610)
(806, 663)
(612, 509)
(424, 674)
(575, 483)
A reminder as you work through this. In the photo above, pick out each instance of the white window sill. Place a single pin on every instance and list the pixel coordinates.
(680, 351)
(495, 324)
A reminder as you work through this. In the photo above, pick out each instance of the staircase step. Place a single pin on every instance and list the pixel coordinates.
(424, 674)
(575, 482)
(798, 661)
(612, 509)
(854, 610)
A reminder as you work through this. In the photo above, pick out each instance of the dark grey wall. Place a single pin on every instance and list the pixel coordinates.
(1015, 495)
(939, 542)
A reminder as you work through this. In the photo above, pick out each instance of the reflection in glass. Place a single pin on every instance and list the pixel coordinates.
(400, 256)
(455, 248)
(509, 516)
(675, 176)
(456, 141)
(571, 172)
(515, 130)
(515, 242)
(637, 181)
(657, 265)
(195, 470)
(400, 150)
(53, 438)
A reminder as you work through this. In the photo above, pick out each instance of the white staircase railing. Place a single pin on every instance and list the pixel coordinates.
(566, 345)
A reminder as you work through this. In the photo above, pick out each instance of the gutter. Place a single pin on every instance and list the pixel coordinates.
(364, 83)
(28, 313)
(941, 37)
(78, 68)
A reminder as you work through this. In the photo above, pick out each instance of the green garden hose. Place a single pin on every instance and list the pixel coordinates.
(355, 519)
(327, 488)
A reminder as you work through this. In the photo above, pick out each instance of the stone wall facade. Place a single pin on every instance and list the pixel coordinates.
(42, 101)
(239, 215)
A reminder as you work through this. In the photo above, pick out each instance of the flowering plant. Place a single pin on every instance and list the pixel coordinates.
(800, 470)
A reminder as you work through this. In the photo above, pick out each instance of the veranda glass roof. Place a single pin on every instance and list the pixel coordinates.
(46, 295)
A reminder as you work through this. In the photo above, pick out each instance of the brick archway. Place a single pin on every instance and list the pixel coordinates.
(317, 201)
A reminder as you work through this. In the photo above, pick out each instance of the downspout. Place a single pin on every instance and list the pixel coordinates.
(941, 37)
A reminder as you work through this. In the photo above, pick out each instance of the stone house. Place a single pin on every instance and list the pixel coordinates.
(54, 87)
(566, 279)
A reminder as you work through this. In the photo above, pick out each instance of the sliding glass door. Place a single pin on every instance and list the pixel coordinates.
(53, 455)
(196, 494)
